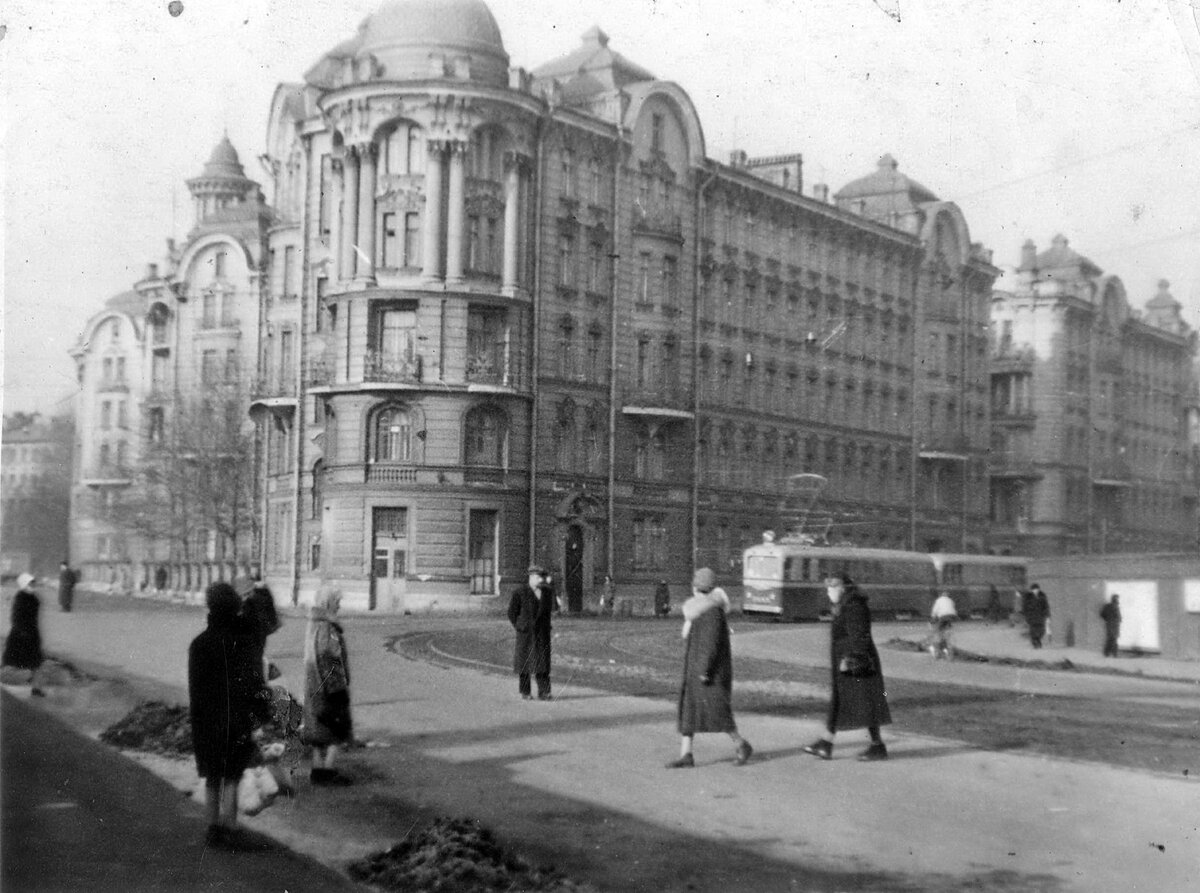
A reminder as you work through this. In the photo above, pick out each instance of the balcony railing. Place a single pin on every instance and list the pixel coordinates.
(663, 395)
(113, 383)
(382, 367)
(489, 367)
(391, 474)
(108, 471)
(267, 386)
(1011, 464)
(321, 371)
(662, 221)
(1111, 471)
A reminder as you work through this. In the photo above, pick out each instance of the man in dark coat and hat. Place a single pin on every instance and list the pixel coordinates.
(529, 611)
(66, 586)
(1111, 615)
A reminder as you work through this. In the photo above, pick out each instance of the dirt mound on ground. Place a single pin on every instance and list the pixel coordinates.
(152, 726)
(457, 856)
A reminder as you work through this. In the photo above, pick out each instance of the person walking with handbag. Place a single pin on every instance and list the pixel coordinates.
(327, 723)
(227, 699)
(258, 607)
(858, 698)
(705, 695)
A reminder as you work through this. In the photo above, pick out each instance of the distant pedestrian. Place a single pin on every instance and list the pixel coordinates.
(858, 695)
(995, 609)
(228, 699)
(608, 595)
(1037, 614)
(941, 619)
(258, 608)
(327, 722)
(23, 649)
(67, 578)
(1111, 613)
(662, 599)
(529, 611)
(706, 693)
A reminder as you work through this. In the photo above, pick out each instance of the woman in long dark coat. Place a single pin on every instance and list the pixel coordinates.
(859, 697)
(23, 648)
(529, 611)
(228, 699)
(327, 718)
(706, 693)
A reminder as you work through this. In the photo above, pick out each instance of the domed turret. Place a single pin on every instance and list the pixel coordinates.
(222, 183)
(417, 40)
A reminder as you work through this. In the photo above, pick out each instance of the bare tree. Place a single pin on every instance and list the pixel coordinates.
(194, 481)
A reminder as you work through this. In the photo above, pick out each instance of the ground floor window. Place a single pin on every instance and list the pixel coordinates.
(482, 538)
(649, 543)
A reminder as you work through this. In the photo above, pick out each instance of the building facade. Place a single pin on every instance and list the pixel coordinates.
(514, 316)
(35, 487)
(160, 498)
(1093, 411)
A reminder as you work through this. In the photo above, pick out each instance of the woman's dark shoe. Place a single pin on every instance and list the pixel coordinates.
(820, 748)
(743, 753)
(875, 752)
(687, 761)
(328, 778)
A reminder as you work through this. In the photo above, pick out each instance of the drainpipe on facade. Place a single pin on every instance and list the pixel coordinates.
(301, 390)
(535, 308)
(965, 384)
(914, 438)
(1091, 430)
(701, 208)
(614, 270)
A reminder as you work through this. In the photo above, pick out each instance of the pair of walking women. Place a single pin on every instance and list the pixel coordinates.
(858, 698)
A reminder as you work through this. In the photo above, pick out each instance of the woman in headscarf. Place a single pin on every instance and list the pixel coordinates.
(228, 699)
(327, 724)
(858, 698)
(705, 697)
(23, 648)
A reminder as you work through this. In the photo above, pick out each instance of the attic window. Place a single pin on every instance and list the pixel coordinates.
(462, 67)
(656, 132)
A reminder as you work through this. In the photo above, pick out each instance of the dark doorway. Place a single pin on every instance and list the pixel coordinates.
(573, 568)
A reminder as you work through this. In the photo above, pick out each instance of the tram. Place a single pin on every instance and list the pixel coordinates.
(786, 580)
(970, 579)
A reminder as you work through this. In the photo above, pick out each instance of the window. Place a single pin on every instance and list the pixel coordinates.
(568, 172)
(105, 415)
(483, 529)
(656, 133)
(208, 310)
(210, 368)
(122, 415)
(491, 246)
(392, 436)
(390, 243)
(670, 277)
(595, 276)
(403, 151)
(395, 355)
(487, 345)
(289, 262)
(643, 362)
(595, 343)
(474, 244)
(642, 287)
(412, 239)
(219, 265)
(317, 491)
(649, 543)
(324, 212)
(566, 260)
(486, 434)
(566, 343)
(155, 424)
(595, 182)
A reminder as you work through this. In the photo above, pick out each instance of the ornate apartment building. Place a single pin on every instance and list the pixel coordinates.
(514, 316)
(1093, 413)
(165, 373)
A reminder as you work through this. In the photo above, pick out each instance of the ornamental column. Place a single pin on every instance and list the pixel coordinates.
(432, 231)
(512, 217)
(455, 213)
(349, 217)
(366, 214)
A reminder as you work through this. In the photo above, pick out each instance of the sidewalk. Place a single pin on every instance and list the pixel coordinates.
(579, 783)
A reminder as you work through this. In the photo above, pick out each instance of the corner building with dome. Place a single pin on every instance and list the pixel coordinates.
(527, 318)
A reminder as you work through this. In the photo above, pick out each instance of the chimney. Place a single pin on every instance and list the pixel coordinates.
(1028, 255)
(738, 158)
(151, 271)
(821, 192)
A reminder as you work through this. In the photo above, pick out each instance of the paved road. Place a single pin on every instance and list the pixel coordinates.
(579, 782)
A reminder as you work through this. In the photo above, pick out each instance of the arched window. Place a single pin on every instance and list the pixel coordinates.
(392, 436)
(486, 437)
(404, 150)
(318, 494)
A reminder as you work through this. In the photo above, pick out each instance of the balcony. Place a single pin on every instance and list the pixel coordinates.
(268, 387)
(663, 399)
(947, 446)
(1012, 464)
(490, 368)
(320, 372)
(113, 383)
(391, 369)
(391, 474)
(1011, 416)
(656, 221)
(1006, 358)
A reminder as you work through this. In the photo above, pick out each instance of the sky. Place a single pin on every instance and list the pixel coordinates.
(1079, 117)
